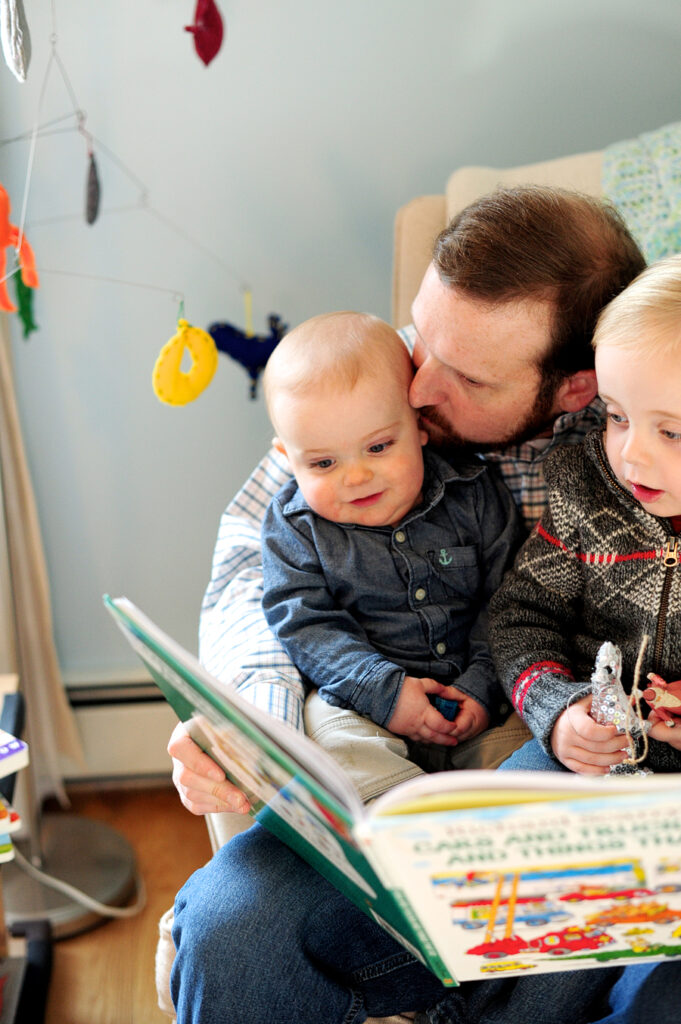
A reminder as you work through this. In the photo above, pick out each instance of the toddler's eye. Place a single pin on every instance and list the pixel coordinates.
(376, 449)
(322, 464)
(617, 418)
(671, 435)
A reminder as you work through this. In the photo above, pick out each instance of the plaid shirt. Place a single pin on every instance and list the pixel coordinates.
(235, 642)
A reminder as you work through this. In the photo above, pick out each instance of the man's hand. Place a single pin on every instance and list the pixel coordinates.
(583, 745)
(200, 782)
(416, 718)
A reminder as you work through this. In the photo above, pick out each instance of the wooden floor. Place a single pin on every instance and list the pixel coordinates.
(106, 975)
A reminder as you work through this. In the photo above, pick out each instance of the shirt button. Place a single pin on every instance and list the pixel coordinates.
(419, 594)
(441, 648)
(400, 536)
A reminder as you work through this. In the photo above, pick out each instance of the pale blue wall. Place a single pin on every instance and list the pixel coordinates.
(287, 157)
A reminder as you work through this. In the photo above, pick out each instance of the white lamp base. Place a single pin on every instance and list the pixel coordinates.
(86, 854)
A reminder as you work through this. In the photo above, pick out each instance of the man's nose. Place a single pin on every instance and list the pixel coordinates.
(424, 389)
(357, 473)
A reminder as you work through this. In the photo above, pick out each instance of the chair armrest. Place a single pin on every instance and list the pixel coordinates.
(221, 827)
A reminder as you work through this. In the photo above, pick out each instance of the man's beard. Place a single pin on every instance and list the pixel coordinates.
(539, 420)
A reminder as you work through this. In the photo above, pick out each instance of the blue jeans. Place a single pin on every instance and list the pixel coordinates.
(531, 757)
(262, 937)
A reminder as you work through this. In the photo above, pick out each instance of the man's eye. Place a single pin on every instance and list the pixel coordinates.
(470, 382)
(376, 449)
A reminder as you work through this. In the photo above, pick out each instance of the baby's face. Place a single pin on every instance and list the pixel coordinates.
(643, 435)
(356, 454)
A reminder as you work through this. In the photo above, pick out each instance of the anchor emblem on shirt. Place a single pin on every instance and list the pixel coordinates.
(445, 559)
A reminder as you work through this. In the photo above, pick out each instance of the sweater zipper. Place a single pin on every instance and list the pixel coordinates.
(670, 560)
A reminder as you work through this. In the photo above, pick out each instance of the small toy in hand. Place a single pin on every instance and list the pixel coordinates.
(447, 708)
(664, 698)
(251, 350)
(610, 705)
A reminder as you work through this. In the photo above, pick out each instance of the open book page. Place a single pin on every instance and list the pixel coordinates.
(296, 790)
(220, 703)
(586, 873)
(461, 789)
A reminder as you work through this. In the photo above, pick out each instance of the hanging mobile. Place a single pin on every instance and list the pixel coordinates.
(172, 385)
(207, 30)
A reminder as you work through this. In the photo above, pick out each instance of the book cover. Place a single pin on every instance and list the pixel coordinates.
(13, 754)
(571, 876)
(477, 873)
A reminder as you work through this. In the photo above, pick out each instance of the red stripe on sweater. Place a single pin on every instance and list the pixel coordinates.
(530, 676)
(596, 558)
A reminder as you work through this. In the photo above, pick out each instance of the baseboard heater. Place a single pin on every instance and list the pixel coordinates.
(124, 725)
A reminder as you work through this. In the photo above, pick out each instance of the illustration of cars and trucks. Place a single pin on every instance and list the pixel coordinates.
(558, 943)
(649, 911)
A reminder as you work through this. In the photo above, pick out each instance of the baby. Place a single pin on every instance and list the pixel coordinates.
(380, 557)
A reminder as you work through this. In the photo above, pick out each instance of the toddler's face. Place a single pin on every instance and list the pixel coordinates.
(643, 435)
(356, 454)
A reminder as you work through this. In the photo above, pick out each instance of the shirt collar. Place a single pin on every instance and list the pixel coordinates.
(568, 428)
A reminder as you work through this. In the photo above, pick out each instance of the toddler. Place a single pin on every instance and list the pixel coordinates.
(603, 562)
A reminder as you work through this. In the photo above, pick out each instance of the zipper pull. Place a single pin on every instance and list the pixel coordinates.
(671, 555)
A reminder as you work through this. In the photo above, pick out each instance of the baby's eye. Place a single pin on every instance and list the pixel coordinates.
(617, 417)
(380, 446)
(322, 464)
(671, 435)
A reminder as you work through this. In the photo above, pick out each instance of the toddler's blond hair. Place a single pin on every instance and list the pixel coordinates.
(647, 315)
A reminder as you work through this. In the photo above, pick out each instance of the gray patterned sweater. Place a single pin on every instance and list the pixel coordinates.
(597, 567)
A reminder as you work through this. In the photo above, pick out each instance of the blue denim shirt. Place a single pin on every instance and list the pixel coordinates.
(358, 608)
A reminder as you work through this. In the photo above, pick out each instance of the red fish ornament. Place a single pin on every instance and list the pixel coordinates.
(207, 30)
(9, 236)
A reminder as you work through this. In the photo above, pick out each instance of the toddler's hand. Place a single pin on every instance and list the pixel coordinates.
(661, 731)
(583, 745)
(416, 718)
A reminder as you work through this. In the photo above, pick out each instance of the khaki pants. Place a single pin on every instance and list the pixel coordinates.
(377, 760)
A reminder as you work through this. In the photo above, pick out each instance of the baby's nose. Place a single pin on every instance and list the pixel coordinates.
(357, 473)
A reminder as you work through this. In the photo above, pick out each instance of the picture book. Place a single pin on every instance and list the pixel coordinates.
(475, 872)
(13, 754)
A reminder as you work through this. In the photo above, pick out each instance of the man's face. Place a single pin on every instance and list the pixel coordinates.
(477, 380)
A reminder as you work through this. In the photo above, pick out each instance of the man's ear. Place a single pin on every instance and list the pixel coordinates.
(577, 391)
(277, 443)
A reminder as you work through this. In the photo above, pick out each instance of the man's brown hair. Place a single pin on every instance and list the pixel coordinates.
(535, 242)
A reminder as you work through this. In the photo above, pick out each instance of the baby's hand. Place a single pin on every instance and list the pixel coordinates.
(583, 745)
(471, 717)
(416, 718)
(661, 731)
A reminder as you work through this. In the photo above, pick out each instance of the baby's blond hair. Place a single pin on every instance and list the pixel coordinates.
(646, 316)
(333, 351)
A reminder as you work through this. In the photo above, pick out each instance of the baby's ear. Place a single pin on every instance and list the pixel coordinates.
(277, 443)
